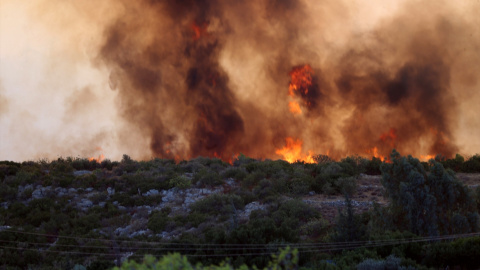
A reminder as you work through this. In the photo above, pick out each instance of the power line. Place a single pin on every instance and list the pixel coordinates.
(253, 246)
(302, 247)
(302, 244)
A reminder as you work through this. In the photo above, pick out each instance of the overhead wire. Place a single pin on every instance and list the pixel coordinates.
(302, 247)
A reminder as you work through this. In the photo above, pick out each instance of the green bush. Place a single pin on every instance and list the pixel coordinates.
(181, 182)
(157, 221)
(301, 185)
(207, 177)
(428, 203)
(264, 189)
(195, 218)
(8, 193)
(253, 179)
(472, 165)
(233, 172)
(24, 177)
(218, 204)
(346, 185)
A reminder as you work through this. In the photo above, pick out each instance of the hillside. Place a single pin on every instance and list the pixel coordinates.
(71, 212)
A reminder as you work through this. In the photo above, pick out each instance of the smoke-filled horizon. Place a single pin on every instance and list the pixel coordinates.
(273, 79)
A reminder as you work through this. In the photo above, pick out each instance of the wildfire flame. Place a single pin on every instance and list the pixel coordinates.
(426, 157)
(99, 159)
(374, 152)
(389, 137)
(301, 79)
(294, 107)
(292, 151)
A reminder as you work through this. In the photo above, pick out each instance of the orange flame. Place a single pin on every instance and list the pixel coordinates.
(301, 79)
(374, 152)
(426, 157)
(100, 158)
(293, 151)
(389, 137)
(231, 159)
(294, 107)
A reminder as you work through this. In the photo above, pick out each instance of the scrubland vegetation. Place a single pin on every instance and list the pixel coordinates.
(72, 213)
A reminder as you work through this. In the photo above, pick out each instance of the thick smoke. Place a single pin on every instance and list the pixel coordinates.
(214, 78)
(395, 80)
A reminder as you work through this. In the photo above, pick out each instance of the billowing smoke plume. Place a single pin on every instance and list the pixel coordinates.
(275, 77)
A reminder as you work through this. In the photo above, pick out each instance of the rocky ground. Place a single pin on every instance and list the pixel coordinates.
(369, 190)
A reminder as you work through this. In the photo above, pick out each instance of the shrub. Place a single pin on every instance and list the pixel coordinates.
(472, 164)
(24, 177)
(234, 172)
(157, 221)
(218, 204)
(253, 179)
(207, 177)
(264, 189)
(61, 168)
(373, 166)
(354, 165)
(195, 219)
(8, 193)
(181, 182)
(123, 199)
(315, 228)
(346, 185)
(301, 185)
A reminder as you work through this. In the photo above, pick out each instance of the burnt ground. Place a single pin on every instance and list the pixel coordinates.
(369, 190)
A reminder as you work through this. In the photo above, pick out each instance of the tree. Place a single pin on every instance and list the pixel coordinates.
(427, 203)
(349, 227)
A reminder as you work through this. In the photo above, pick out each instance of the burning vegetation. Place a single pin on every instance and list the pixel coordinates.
(286, 79)
(179, 87)
(382, 93)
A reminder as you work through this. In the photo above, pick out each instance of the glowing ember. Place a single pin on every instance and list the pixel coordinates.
(294, 107)
(293, 151)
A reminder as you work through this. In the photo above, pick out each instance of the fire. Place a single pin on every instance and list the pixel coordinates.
(374, 153)
(293, 151)
(301, 79)
(232, 158)
(199, 30)
(294, 107)
(389, 137)
(426, 157)
(100, 158)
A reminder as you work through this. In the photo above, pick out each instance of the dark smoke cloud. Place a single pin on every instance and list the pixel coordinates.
(414, 91)
(180, 69)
